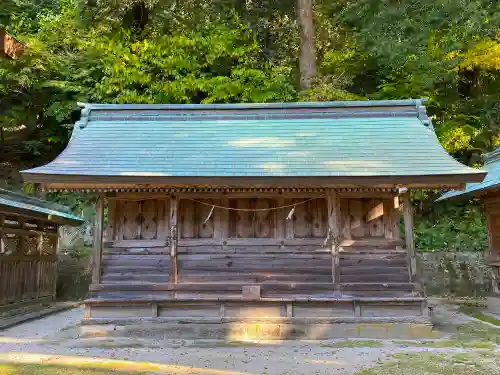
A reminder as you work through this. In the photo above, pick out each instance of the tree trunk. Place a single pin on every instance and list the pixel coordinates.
(307, 57)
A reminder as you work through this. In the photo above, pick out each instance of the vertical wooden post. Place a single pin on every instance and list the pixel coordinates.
(110, 227)
(396, 219)
(98, 231)
(173, 239)
(409, 240)
(333, 202)
(39, 248)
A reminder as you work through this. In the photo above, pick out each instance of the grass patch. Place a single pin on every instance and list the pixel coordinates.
(353, 344)
(32, 369)
(478, 314)
(476, 331)
(447, 344)
(471, 363)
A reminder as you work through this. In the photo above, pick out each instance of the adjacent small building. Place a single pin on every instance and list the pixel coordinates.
(28, 245)
(255, 220)
(489, 192)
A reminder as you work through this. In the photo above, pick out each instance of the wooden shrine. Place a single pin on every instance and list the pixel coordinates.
(287, 216)
(489, 192)
(28, 245)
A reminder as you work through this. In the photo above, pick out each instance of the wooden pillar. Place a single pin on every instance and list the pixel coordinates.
(39, 248)
(110, 227)
(409, 240)
(334, 229)
(173, 239)
(98, 232)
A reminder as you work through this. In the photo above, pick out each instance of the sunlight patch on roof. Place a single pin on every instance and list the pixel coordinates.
(263, 141)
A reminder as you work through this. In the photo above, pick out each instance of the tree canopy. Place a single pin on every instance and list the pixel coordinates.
(223, 51)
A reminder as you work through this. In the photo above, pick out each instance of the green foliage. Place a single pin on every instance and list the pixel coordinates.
(200, 51)
(73, 273)
(454, 227)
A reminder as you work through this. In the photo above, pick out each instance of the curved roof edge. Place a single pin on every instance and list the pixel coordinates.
(23, 204)
(490, 183)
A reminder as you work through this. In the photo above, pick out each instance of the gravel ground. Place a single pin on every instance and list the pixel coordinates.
(43, 341)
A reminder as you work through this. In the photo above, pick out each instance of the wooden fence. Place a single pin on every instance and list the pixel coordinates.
(28, 262)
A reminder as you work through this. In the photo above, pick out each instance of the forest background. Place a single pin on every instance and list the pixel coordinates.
(228, 51)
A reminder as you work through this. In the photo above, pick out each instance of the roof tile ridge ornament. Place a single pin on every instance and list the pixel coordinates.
(492, 156)
(84, 116)
(422, 113)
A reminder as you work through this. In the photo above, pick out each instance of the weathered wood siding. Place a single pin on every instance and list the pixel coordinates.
(284, 257)
(28, 263)
(492, 208)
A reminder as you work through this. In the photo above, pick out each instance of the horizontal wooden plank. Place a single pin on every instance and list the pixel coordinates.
(119, 298)
(370, 269)
(251, 242)
(254, 277)
(375, 278)
(135, 277)
(222, 286)
(377, 286)
(233, 249)
(136, 243)
(255, 257)
(135, 268)
(137, 251)
(371, 242)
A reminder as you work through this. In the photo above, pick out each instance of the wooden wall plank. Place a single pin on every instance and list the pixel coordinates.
(243, 220)
(119, 220)
(302, 220)
(279, 219)
(205, 230)
(162, 222)
(289, 224)
(318, 209)
(357, 221)
(186, 219)
(131, 226)
(111, 226)
(346, 218)
(264, 222)
(374, 210)
(388, 204)
(149, 219)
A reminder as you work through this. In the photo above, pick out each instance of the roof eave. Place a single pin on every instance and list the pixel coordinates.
(60, 220)
(421, 181)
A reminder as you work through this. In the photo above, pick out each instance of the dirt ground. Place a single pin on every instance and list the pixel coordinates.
(50, 341)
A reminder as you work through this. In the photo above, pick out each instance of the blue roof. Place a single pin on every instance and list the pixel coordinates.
(490, 183)
(16, 203)
(333, 139)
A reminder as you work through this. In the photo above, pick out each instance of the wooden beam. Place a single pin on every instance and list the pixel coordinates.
(334, 230)
(409, 239)
(98, 232)
(174, 274)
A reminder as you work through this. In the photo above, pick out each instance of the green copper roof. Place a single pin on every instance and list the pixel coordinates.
(291, 140)
(16, 203)
(490, 183)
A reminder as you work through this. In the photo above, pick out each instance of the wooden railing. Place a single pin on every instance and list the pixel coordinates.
(26, 278)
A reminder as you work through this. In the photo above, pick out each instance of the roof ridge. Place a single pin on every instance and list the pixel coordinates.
(417, 103)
